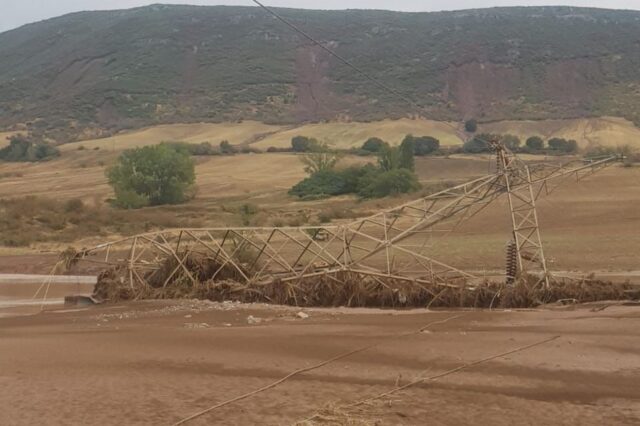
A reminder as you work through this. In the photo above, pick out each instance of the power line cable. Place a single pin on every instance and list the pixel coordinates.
(354, 67)
(336, 55)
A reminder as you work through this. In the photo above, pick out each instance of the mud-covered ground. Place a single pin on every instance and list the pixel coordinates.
(158, 362)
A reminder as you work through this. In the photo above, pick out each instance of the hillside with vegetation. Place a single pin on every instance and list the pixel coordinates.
(91, 74)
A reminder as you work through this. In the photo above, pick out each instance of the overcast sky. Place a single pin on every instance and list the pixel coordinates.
(14, 13)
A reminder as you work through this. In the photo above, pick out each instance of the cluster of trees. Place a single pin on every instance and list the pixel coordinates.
(27, 149)
(393, 174)
(206, 148)
(479, 144)
(422, 145)
(165, 174)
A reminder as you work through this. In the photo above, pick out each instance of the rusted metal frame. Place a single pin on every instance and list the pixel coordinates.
(540, 252)
(347, 245)
(179, 240)
(181, 263)
(390, 225)
(264, 246)
(142, 281)
(227, 260)
(461, 186)
(384, 229)
(175, 270)
(276, 253)
(325, 249)
(139, 255)
(258, 274)
(230, 258)
(301, 275)
(466, 215)
(305, 248)
(130, 263)
(442, 264)
(248, 241)
(157, 245)
(224, 239)
(302, 253)
(451, 209)
(386, 243)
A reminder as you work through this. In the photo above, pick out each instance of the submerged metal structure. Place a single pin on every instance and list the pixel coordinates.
(393, 243)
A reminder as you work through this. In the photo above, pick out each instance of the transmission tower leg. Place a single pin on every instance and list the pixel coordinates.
(526, 232)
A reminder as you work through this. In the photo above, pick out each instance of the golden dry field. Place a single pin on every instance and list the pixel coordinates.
(590, 225)
(608, 131)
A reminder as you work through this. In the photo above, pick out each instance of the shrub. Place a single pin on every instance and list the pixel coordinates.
(393, 182)
(471, 125)
(23, 148)
(204, 148)
(373, 144)
(303, 144)
(478, 144)
(563, 145)
(535, 143)
(322, 184)
(276, 149)
(227, 148)
(74, 205)
(511, 142)
(152, 175)
(424, 145)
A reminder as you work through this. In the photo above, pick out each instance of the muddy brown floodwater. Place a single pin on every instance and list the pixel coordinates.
(158, 362)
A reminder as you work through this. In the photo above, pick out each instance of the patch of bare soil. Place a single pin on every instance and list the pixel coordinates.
(159, 362)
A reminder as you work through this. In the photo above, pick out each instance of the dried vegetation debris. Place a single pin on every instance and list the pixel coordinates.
(343, 288)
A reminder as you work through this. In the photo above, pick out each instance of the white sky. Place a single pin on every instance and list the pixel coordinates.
(14, 13)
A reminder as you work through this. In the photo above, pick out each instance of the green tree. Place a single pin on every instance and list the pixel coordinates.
(424, 145)
(152, 175)
(389, 158)
(227, 148)
(303, 144)
(511, 142)
(479, 143)
(535, 143)
(471, 125)
(392, 182)
(407, 152)
(321, 158)
(373, 144)
(563, 145)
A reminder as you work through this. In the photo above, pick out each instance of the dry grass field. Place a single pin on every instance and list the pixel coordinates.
(591, 225)
(607, 131)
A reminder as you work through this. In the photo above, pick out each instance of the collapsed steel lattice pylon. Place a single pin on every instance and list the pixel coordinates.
(393, 243)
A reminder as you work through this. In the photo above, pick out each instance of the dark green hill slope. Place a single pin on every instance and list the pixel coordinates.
(119, 69)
